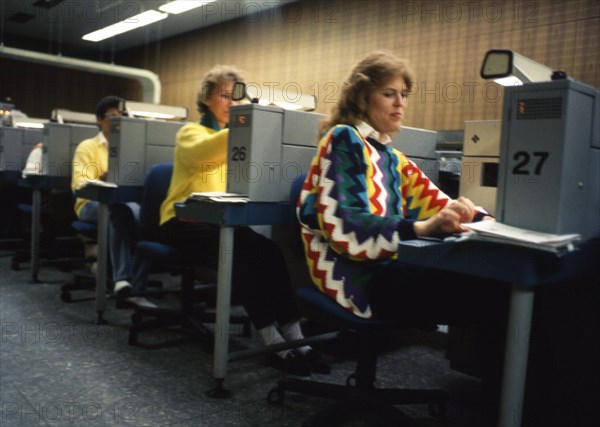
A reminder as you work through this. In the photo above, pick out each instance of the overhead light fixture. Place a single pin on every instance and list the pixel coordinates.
(137, 21)
(270, 96)
(29, 122)
(179, 6)
(61, 115)
(508, 68)
(155, 111)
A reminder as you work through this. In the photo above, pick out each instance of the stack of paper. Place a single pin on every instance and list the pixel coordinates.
(496, 231)
(100, 183)
(218, 196)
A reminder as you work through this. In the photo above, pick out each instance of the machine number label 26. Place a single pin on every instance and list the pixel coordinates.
(238, 154)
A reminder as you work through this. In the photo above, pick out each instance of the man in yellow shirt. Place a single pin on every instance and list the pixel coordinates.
(90, 163)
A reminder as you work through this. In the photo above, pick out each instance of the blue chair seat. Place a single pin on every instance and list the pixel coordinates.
(25, 208)
(86, 229)
(338, 316)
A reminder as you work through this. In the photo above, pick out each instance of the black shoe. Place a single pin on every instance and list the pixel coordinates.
(293, 363)
(317, 363)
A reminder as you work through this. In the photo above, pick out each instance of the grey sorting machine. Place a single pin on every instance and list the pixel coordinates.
(480, 161)
(137, 144)
(268, 148)
(549, 174)
(60, 142)
(419, 145)
(15, 146)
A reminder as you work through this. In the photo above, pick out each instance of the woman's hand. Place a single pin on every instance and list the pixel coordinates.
(448, 220)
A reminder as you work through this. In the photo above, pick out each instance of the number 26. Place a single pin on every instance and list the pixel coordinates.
(238, 154)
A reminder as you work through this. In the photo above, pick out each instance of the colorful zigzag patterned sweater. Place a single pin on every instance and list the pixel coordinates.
(359, 199)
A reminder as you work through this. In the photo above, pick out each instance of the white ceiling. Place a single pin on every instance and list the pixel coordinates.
(62, 25)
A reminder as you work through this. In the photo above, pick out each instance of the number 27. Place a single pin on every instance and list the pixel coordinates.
(523, 158)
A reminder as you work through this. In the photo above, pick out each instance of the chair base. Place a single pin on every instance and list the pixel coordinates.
(356, 403)
(80, 282)
(165, 318)
(190, 321)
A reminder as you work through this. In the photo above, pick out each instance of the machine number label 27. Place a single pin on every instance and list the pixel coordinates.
(524, 158)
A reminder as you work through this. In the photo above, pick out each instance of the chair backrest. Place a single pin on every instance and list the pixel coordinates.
(156, 186)
(296, 244)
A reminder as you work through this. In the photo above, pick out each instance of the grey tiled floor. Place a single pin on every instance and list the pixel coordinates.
(58, 368)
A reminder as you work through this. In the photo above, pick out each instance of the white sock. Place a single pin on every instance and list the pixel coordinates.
(292, 332)
(270, 335)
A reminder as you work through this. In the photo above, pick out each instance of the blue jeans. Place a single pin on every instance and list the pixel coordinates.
(122, 224)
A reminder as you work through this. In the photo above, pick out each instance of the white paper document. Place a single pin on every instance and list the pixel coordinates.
(219, 196)
(100, 183)
(496, 231)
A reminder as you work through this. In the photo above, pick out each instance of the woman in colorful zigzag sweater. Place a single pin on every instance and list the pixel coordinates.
(362, 197)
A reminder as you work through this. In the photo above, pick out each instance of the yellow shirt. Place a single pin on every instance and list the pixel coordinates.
(90, 161)
(200, 165)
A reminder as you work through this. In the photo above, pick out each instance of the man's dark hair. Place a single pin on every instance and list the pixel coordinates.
(106, 103)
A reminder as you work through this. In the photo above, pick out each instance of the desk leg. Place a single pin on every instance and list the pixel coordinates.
(102, 261)
(221, 355)
(515, 357)
(36, 206)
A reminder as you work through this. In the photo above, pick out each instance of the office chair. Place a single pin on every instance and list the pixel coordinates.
(358, 396)
(57, 247)
(149, 248)
(22, 253)
(88, 232)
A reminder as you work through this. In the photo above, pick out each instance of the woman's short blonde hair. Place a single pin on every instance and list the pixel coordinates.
(373, 71)
(214, 77)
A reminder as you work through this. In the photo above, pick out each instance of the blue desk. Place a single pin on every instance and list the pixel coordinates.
(37, 183)
(104, 196)
(524, 269)
(227, 216)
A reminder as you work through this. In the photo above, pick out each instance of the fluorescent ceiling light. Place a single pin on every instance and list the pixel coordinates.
(180, 6)
(137, 21)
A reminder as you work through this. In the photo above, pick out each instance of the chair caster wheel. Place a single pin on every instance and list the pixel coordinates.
(437, 411)
(351, 380)
(276, 396)
(132, 339)
(66, 296)
(136, 318)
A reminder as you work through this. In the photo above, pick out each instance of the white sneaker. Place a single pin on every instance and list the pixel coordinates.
(122, 287)
(142, 302)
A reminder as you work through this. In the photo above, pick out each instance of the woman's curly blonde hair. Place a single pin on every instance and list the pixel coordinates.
(373, 71)
(213, 77)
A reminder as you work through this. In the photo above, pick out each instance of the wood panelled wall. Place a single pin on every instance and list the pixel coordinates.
(38, 89)
(312, 45)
